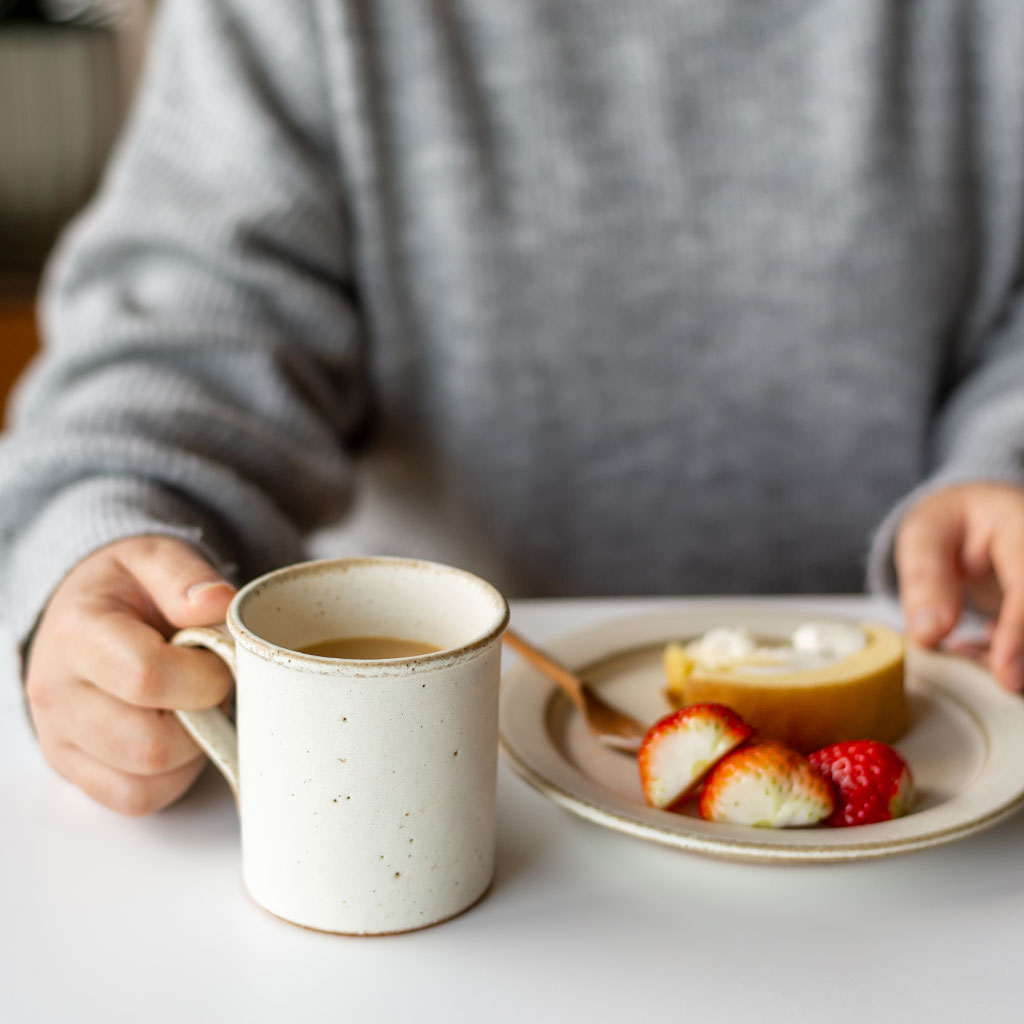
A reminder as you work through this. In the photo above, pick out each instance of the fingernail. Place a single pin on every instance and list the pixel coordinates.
(198, 589)
(925, 622)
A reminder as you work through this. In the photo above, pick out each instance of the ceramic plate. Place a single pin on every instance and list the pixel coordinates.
(965, 745)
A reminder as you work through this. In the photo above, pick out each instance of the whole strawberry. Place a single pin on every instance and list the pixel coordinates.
(679, 748)
(768, 785)
(872, 782)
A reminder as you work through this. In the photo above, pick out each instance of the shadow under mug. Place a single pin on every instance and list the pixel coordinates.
(365, 788)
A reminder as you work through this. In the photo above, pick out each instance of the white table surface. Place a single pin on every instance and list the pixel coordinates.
(108, 919)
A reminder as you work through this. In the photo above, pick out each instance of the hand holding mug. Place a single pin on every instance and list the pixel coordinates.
(100, 675)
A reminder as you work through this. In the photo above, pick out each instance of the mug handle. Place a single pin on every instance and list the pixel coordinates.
(210, 727)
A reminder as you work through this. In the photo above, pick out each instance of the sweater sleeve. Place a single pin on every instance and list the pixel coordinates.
(202, 364)
(978, 434)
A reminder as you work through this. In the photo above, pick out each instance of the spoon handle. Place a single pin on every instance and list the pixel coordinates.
(557, 673)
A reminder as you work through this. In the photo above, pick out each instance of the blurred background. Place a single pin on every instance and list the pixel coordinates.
(67, 73)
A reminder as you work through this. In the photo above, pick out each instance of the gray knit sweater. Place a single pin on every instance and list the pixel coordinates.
(593, 297)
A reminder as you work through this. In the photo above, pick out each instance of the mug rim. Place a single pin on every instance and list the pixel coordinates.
(268, 650)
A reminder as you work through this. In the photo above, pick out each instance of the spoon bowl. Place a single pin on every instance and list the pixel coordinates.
(610, 726)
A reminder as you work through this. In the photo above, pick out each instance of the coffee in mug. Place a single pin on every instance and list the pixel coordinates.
(368, 648)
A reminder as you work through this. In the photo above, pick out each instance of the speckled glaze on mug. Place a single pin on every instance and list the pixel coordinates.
(365, 789)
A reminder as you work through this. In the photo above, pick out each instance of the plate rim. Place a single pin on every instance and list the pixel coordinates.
(644, 824)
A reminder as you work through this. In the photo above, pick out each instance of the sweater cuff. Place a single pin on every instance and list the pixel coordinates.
(88, 516)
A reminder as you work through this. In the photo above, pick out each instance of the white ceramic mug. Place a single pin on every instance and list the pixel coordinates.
(365, 789)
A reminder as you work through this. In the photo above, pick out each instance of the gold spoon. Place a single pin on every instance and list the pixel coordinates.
(611, 727)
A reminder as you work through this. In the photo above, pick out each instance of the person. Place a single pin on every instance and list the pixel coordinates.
(590, 298)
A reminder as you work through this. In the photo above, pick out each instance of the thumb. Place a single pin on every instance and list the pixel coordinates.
(184, 586)
(927, 565)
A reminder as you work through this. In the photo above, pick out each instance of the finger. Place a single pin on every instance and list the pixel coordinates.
(984, 594)
(1007, 658)
(132, 739)
(131, 660)
(186, 589)
(129, 794)
(975, 556)
(972, 649)
(927, 565)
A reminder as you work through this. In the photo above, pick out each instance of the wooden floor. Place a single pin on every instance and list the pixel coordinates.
(18, 341)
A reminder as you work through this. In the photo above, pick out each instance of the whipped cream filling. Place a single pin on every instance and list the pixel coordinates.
(811, 645)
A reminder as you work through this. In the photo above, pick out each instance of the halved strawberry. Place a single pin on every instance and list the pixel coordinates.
(679, 748)
(766, 784)
(872, 782)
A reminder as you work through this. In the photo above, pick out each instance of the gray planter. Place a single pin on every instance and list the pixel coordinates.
(61, 102)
